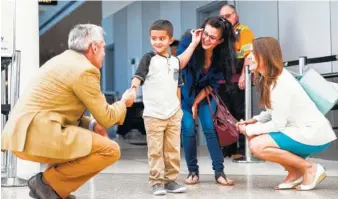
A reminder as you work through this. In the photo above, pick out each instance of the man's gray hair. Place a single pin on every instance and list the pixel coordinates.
(82, 35)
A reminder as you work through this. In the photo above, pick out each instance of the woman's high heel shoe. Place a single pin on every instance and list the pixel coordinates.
(289, 185)
(320, 176)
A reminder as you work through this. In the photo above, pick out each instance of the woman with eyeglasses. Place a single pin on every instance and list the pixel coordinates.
(206, 56)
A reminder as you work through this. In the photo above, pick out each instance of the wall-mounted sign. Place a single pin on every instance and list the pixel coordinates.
(7, 27)
(48, 2)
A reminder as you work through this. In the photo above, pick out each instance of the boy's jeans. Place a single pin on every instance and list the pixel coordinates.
(163, 139)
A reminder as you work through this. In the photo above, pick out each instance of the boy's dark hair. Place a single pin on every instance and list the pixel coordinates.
(175, 43)
(162, 25)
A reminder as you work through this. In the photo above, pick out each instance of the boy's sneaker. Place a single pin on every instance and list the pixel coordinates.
(159, 190)
(173, 187)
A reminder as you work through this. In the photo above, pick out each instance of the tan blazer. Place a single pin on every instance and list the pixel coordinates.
(47, 119)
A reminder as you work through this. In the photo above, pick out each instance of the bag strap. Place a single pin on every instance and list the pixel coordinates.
(209, 103)
(217, 98)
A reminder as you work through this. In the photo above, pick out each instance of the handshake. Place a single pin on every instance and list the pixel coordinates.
(128, 97)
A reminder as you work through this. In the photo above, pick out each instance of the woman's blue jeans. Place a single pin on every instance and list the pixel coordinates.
(189, 138)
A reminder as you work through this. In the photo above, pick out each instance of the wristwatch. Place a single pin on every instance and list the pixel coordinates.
(91, 124)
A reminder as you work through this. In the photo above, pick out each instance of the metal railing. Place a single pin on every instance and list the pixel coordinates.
(10, 161)
(4, 113)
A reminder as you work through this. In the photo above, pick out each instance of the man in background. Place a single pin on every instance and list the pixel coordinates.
(233, 94)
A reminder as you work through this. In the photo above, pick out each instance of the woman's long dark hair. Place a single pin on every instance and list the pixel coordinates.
(224, 55)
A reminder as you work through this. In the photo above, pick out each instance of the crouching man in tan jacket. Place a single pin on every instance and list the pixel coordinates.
(47, 123)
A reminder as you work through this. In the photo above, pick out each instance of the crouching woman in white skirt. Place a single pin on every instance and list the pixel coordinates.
(291, 128)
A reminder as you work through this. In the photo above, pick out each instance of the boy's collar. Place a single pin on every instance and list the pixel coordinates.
(169, 55)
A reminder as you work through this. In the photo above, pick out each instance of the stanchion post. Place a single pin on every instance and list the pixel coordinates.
(248, 115)
(302, 64)
(11, 180)
(3, 117)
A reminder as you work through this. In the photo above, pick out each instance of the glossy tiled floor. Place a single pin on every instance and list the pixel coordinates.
(127, 179)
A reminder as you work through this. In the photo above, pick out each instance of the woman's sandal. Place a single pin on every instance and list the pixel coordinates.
(228, 182)
(192, 174)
